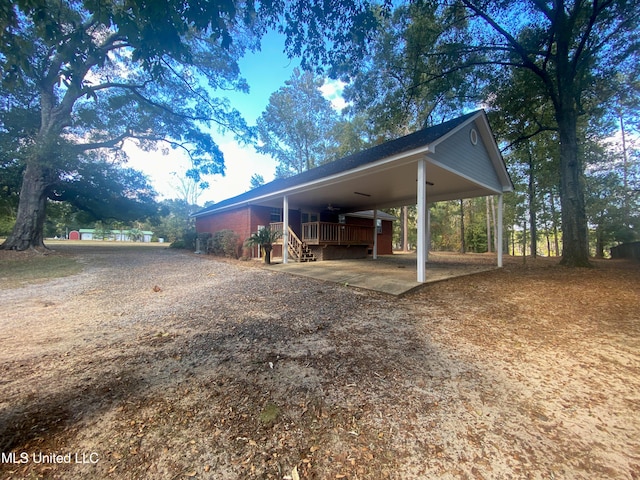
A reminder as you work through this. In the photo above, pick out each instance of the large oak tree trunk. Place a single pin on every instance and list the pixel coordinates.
(39, 175)
(28, 232)
(575, 242)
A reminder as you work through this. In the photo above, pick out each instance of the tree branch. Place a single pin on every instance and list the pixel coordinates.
(517, 48)
(172, 112)
(107, 85)
(83, 147)
(523, 138)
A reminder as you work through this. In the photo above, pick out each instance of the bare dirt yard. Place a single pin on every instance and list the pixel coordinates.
(155, 363)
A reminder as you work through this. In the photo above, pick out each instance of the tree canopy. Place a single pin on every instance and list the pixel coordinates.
(98, 72)
(562, 61)
(296, 127)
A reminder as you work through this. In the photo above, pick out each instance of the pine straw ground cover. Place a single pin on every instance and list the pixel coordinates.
(153, 363)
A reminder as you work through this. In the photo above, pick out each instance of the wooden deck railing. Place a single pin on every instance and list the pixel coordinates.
(320, 233)
(277, 227)
(327, 233)
(295, 246)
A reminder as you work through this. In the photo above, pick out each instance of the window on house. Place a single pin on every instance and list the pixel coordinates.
(379, 226)
(276, 215)
(309, 217)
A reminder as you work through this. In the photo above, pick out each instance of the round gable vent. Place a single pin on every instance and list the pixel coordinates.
(473, 136)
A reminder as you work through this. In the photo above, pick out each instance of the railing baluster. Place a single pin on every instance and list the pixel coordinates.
(336, 233)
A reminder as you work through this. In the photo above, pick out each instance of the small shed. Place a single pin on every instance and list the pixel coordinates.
(86, 233)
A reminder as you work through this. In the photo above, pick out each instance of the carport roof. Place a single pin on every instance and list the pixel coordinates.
(385, 175)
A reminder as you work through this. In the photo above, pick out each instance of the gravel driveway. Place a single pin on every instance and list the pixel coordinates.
(155, 363)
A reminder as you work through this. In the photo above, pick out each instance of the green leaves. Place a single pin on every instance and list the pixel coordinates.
(102, 72)
(401, 84)
(107, 191)
(295, 129)
(264, 237)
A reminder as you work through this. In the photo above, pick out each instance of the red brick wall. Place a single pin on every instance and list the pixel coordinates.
(385, 239)
(244, 221)
(236, 220)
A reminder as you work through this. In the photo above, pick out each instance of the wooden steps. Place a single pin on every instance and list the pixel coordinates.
(298, 250)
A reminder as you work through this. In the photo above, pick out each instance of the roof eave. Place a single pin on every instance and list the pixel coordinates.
(324, 181)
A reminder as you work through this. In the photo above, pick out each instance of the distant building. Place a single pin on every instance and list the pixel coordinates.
(112, 235)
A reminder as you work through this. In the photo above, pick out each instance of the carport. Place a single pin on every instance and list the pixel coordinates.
(454, 160)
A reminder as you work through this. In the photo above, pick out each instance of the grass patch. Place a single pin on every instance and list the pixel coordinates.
(269, 413)
(18, 269)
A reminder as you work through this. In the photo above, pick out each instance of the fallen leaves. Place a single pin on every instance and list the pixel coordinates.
(370, 387)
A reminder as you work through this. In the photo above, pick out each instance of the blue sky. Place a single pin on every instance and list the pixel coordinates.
(265, 71)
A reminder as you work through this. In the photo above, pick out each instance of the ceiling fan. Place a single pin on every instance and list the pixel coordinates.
(331, 208)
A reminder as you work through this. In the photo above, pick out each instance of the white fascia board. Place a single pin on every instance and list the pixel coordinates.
(462, 175)
(379, 165)
(453, 131)
(468, 194)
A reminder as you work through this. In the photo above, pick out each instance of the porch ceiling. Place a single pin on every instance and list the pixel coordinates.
(390, 185)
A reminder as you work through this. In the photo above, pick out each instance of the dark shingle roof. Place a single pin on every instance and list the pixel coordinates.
(384, 150)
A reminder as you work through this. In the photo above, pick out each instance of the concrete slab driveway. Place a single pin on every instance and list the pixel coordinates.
(391, 274)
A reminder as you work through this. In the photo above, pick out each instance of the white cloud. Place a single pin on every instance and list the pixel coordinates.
(332, 91)
(241, 163)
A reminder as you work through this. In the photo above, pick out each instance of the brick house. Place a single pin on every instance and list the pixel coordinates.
(247, 219)
(332, 211)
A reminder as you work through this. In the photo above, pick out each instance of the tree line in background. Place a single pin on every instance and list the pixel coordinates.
(560, 83)
(559, 80)
(80, 79)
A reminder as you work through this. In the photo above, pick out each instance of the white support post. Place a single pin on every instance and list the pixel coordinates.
(500, 207)
(422, 220)
(375, 233)
(285, 229)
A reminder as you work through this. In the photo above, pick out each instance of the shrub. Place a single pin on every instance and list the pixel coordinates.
(224, 243)
(204, 241)
(188, 241)
(178, 244)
